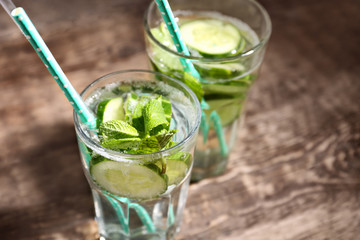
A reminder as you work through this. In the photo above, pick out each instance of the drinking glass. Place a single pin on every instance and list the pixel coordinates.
(122, 217)
(225, 80)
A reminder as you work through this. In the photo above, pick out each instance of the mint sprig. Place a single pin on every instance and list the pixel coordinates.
(117, 129)
(130, 104)
(166, 104)
(155, 143)
(134, 111)
(165, 138)
(145, 129)
(121, 144)
(154, 117)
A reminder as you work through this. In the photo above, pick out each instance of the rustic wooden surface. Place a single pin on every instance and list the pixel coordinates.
(295, 174)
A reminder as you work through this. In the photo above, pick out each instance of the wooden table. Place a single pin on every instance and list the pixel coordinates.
(294, 175)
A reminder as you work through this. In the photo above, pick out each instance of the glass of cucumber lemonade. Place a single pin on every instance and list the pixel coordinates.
(139, 158)
(227, 41)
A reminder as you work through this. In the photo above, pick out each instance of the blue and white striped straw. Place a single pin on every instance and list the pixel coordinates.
(23, 21)
(32, 35)
(181, 47)
(174, 30)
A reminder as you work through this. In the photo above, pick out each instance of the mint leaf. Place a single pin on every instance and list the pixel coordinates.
(145, 128)
(121, 144)
(123, 88)
(116, 129)
(96, 158)
(154, 117)
(166, 104)
(164, 139)
(138, 116)
(150, 144)
(170, 144)
(154, 143)
(130, 105)
(147, 145)
(134, 108)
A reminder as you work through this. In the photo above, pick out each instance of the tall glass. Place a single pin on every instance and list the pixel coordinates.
(123, 217)
(225, 80)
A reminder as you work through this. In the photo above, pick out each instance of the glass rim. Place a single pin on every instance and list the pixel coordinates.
(136, 158)
(262, 41)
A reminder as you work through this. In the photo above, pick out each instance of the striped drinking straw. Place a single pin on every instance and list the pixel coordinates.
(32, 35)
(20, 17)
(181, 47)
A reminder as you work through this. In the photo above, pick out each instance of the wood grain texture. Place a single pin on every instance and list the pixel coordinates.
(295, 174)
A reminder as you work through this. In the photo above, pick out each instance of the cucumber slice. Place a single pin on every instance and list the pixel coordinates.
(162, 35)
(177, 165)
(167, 63)
(227, 109)
(225, 90)
(218, 71)
(211, 37)
(111, 109)
(237, 88)
(129, 180)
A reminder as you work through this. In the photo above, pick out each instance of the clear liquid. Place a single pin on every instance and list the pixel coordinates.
(119, 217)
(225, 85)
(165, 212)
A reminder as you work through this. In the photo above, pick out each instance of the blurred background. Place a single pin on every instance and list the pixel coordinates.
(295, 174)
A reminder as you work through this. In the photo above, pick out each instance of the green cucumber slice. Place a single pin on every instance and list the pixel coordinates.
(218, 71)
(129, 180)
(227, 109)
(225, 90)
(111, 109)
(177, 165)
(237, 88)
(162, 35)
(167, 63)
(211, 36)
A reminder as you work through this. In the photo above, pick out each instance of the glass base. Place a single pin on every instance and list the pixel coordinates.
(126, 219)
(115, 234)
(210, 164)
(208, 159)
